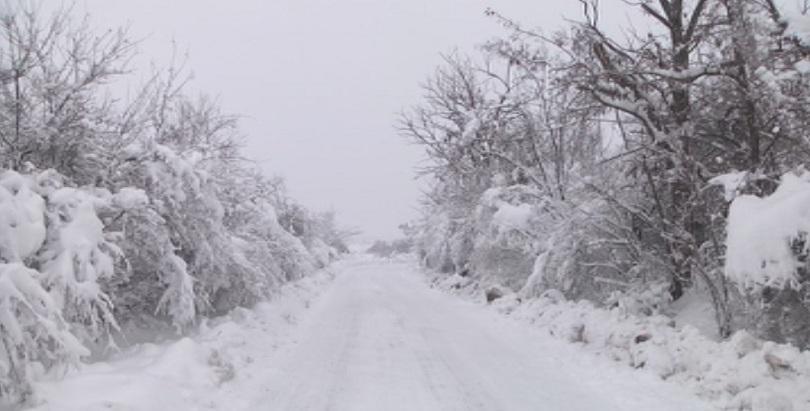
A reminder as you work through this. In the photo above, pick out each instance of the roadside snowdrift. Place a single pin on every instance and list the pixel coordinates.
(742, 373)
(205, 370)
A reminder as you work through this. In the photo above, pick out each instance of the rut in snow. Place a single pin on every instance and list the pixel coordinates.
(382, 339)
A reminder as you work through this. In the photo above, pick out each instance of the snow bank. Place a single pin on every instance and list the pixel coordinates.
(206, 370)
(762, 234)
(742, 373)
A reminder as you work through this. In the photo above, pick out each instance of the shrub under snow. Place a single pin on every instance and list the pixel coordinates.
(34, 333)
(147, 217)
(766, 236)
(22, 218)
(77, 263)
(54, 254)
(742, 373)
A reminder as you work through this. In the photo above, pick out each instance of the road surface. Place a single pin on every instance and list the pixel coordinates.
(381, 339)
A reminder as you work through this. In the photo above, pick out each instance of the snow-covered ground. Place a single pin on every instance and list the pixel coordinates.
(741, 373)
(376, 338)
(206, 371)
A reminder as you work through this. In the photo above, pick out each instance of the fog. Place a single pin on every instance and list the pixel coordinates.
(318, 83)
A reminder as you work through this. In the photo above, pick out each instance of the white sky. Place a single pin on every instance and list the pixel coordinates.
(319, 82)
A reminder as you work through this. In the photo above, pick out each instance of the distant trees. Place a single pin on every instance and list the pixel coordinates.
(117, 214)
(584, 162)
(389, 249)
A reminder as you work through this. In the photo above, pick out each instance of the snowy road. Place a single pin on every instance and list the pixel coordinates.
(381, 339)
(376, 337)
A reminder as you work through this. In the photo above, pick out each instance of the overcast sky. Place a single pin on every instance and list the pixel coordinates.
(319, 82)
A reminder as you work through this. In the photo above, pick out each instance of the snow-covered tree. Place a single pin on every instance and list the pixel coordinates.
(123, 213)
(614, 143)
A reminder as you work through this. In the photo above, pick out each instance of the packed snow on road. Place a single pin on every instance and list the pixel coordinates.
(369, 335)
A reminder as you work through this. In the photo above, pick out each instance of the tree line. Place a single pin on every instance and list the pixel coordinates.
(125, 211)
(593, 163)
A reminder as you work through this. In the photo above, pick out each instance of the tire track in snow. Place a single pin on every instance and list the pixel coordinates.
(381, 339)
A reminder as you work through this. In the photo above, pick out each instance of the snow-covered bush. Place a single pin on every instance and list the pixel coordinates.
(318, 232)
(766, 237)
(56, 256)
(34, 333)
(619, 140)
(767, 257)
(740, 373)
(439, 242)
(591, 252)
(22, 218)
(291, 256)
(146, 217)
(507, 224)
(77, 257)
(83, 266)
(198, 247)
(184, 198)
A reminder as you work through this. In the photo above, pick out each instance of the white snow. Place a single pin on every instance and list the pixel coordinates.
(731, 183)
(513, 216)
(742, 373)
(378, 338)
(507, 216)
(128, 198)
(77, 255)
(178, 299)
(761, 232)
(22, 217)
(29, 319)
(695, 310)
(471, 129)
(222, 362)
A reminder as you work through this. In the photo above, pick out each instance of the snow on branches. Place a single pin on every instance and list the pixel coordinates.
(767, 236)
(145, 216)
